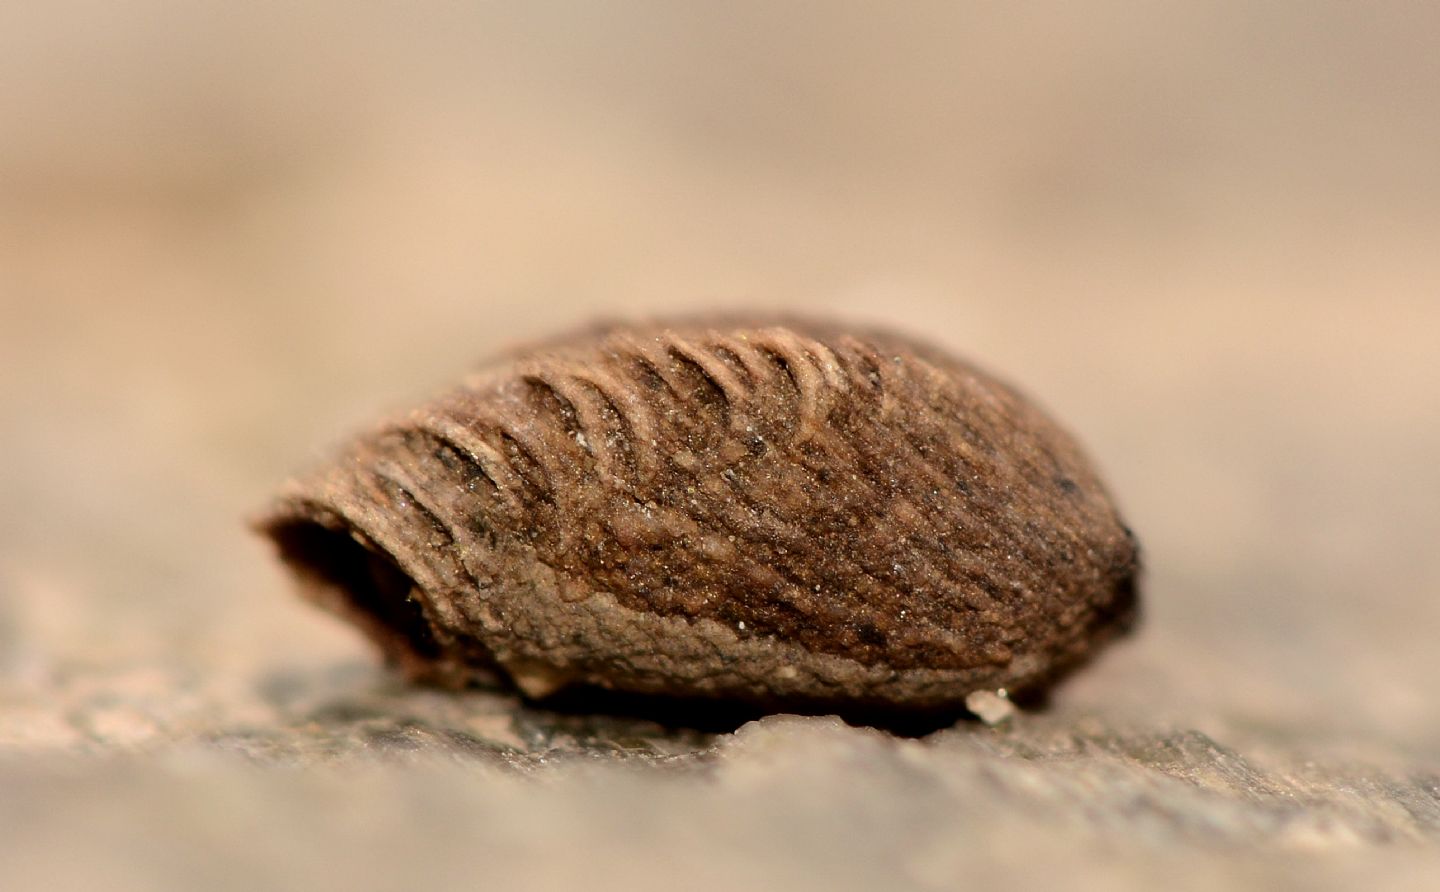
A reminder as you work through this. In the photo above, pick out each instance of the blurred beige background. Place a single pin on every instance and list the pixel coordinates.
(1204, 234)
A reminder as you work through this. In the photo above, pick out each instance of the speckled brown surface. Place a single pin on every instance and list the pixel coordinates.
(796, 515)
(1205, 238)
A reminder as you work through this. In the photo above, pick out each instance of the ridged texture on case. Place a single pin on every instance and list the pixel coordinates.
(795, 515)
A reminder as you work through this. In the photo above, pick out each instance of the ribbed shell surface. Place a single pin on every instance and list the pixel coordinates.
(793, 515)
